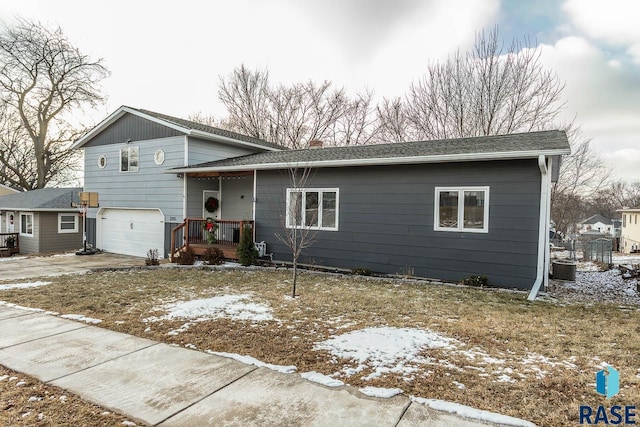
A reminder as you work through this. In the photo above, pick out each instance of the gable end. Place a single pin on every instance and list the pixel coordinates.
(134, 128)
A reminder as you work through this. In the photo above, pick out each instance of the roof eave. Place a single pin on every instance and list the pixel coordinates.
(68, 209)
(226, 139)
(445, 158)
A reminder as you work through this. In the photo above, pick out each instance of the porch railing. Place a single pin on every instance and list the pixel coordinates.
(9, 244)
(191, 232)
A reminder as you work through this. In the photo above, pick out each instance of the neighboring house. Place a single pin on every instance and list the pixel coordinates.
(444, 209)
(630, 231)
(44, 219)
(597, 223)
(4, 190)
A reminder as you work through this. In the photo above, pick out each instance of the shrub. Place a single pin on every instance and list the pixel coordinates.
(480, 281)
(246, 252)
(213, 256)
(152, 257)
(187, 257)
(361, 271)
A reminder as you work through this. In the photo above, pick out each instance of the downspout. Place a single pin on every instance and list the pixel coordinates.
(543, 228)
(253, 202)
(184, 178)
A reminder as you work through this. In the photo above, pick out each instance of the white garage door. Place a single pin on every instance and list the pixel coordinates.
(131, 231)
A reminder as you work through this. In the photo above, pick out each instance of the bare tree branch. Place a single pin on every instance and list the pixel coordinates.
(42, 77)
(297, 232)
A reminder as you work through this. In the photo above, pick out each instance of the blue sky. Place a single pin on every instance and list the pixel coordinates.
(167, 56)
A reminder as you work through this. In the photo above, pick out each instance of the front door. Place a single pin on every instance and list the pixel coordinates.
(11, 220)
(206, 194)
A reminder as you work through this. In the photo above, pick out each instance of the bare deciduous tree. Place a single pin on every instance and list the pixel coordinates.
(617, 195)
(581, 175)
(393, 122)
(296, 224)
(245, 94)
(486, 91)
(296, 114)
(42, 78)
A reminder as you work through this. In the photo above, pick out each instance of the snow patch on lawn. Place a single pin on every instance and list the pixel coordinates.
(81, 318)
(473, 413)
(389, 350)
(319, 378)
(385, 349)
(384, 393)
(248, 360)
(8, 286)
(237, 307)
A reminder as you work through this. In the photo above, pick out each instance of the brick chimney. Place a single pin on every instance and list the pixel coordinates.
(315, 144)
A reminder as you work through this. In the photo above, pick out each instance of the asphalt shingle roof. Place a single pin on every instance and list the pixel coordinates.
(209, 129)
(597, 218)
(544, 141)
(43, 199)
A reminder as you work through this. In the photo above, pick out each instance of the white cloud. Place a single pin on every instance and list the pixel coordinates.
(614, 21)
(603, 95)
(625, 162)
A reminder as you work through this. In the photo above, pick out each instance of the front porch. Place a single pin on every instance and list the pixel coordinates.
(9, 244)
(191, 234)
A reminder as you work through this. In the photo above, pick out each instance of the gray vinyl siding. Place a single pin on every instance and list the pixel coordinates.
(91, 232)
(51, 240)
(167, 237)
(149, 187)
(236, 201)
(201, 151)
(195, 188)
(133, 128)
(386, 221)
(29, 245)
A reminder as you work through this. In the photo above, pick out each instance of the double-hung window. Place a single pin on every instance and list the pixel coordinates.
(26, 224)
(462, 209)
(67, 223)
(313, 208)
(129, 159)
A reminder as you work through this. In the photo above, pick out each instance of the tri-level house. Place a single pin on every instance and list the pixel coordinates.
(444, 209)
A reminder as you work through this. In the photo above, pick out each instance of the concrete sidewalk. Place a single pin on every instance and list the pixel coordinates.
(165, 385)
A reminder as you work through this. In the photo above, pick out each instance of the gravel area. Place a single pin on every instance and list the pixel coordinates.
(593, 286)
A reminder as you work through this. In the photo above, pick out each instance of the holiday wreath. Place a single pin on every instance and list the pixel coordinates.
(211, 205)
(210, 226)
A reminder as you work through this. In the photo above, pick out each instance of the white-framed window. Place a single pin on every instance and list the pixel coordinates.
(462, 209)
(314, 208)
(26, 224)
(129, 157)
(67, 223)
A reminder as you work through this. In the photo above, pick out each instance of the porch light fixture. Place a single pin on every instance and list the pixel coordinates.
(179, 176)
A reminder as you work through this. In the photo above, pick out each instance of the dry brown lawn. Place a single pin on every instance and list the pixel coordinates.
(535, 361)
(25, 401)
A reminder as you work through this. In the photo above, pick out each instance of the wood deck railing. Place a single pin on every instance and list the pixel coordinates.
(9, 244)
(192, 234)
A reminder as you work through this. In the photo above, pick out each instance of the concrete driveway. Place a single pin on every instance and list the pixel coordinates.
(23, 267)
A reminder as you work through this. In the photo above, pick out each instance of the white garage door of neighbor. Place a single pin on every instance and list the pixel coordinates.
(131, 231)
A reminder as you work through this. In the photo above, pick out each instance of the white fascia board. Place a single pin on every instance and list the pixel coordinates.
(226, 139)
(444, 158)
(39, 209)
(99, 127)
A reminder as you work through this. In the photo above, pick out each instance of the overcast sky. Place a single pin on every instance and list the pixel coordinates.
(167, 56)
